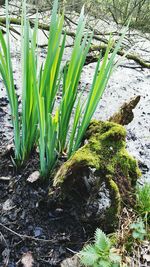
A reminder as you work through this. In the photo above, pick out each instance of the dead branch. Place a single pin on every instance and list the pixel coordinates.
(121, 52)
(42, 26)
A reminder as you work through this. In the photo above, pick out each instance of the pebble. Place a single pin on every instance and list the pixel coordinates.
(38, 231)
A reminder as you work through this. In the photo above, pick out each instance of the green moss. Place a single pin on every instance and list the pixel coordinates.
(105, 151)
(83, 157)
(105, 129)
(114, 211)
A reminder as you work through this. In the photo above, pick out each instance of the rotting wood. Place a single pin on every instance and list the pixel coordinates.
(125, 113)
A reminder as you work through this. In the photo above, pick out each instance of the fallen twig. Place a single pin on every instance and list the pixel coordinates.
(5, 179)
(26, 236)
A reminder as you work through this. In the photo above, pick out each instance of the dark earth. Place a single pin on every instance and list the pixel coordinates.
(29, 224)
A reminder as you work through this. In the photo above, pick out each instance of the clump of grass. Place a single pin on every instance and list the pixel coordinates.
(25, 126)
(143, 199)
(143, 203)
(40, 121)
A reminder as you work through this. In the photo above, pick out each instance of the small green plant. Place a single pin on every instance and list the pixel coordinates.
(143, 202)
(140, 227)
(138, 230)
(100, 253)
(143, 199)
(24, 125)
(41, 121)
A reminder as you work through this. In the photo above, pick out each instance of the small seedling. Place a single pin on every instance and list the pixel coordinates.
(100, 253)
(138, 230)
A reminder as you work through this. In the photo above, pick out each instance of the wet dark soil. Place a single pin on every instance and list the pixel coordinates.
(29, 224)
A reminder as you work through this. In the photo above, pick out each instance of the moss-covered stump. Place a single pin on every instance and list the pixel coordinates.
(99, 177)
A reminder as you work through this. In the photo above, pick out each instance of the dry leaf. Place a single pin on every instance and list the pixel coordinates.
(146, 257)
(8, 205)
(33, 177)
(3, 178)
(27, 259)
(71, 262)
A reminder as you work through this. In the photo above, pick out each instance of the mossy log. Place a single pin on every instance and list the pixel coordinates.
(99, 177)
